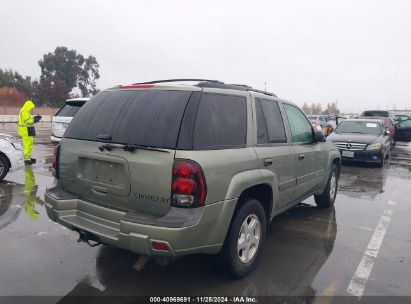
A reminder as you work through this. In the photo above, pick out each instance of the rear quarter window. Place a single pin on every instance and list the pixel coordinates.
(221, 122)
(68, 110)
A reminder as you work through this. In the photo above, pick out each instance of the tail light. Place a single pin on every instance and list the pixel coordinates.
(55, 159)
(189, 188)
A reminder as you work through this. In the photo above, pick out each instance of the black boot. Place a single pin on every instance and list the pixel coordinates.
(33, 160)
(27, 162)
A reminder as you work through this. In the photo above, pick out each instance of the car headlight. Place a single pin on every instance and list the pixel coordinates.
(376, 146)
(14, 142)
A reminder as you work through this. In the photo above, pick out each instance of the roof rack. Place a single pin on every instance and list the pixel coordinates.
(180, 79)
(208, 83)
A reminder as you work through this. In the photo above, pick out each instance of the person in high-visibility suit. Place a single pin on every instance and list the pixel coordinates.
(25, 122)
(30, 190)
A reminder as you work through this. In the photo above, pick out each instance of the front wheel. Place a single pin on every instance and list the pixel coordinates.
(244, 239)
(327, 198)
(4, 166)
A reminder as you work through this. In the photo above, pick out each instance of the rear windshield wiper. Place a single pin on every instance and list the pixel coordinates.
(129, 147)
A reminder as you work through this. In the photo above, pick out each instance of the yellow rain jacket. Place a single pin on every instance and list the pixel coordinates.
(25, 120)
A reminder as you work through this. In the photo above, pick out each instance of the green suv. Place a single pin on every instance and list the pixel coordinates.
(169, 169)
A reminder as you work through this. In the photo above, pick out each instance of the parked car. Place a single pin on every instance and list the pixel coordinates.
(363, 140)
(378, 114)
(11, 154)
(331, 124)
(389, 126)
(164, 169)
(318, 120)
(63, 117)
(403, 129)
(401, 117)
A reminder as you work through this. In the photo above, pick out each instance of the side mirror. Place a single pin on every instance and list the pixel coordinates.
(319, 137)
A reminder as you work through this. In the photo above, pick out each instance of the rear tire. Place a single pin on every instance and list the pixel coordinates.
(244, 239)
(327, 198)
(4, 166)
(382, 161)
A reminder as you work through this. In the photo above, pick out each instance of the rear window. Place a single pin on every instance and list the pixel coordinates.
(221, 122)
(375, 114)
(149, 118)
(68, 110)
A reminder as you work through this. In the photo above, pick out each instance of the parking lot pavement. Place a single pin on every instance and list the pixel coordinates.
(359, 248)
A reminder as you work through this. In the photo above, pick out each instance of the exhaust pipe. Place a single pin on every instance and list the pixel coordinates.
(90, 239)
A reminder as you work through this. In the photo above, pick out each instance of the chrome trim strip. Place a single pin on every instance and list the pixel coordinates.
(307, 177)
(287, 185)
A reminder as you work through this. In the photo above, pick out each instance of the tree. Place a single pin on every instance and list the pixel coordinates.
(10, 79)
(306, 108)
(62, 71)
(11, 97)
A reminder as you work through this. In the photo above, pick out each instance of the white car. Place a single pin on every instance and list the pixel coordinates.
(11, 154)
(63, 117)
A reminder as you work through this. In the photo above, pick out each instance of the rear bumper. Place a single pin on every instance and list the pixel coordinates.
(371, 156)
(55, 139)
(186, 231)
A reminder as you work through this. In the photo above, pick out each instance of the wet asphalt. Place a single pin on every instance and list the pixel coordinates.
(310, 253)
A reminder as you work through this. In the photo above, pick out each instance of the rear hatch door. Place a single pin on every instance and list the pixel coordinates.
(119, 150)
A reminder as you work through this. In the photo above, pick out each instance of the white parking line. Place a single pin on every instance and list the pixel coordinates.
(361, 275)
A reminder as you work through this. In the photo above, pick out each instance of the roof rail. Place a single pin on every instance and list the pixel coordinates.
(262, 92)
(249, 88)
(179, 79)
(211, 83)
(242, 85)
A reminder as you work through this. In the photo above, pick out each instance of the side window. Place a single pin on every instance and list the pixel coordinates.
(301, 129)
(405, 124)
(262, 137)
(274, 121)
(221, 122)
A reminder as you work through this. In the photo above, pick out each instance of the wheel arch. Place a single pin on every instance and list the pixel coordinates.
(7, 159)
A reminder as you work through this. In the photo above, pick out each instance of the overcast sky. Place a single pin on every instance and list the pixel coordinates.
(355, 51)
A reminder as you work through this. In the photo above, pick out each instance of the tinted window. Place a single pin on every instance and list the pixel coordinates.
(274, 121)
(150, 118)
(375, 114)
(262, 137)
(301, 130)
(221, 122)
(68, 110)
(405, 124)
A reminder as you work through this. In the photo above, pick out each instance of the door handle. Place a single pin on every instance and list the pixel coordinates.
(268, 162)
(99, 190)
(301, 156)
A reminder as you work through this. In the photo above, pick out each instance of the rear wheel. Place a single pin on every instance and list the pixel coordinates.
(327, 198)
(4, 166)
(239, 254)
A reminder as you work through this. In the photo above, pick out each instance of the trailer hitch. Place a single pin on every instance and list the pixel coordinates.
(90, 239)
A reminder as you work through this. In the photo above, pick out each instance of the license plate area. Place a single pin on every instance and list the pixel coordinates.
(347, 153)
(109, 175)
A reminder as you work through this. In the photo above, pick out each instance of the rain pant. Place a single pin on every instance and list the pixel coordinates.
(30, 190)
(25, 120)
